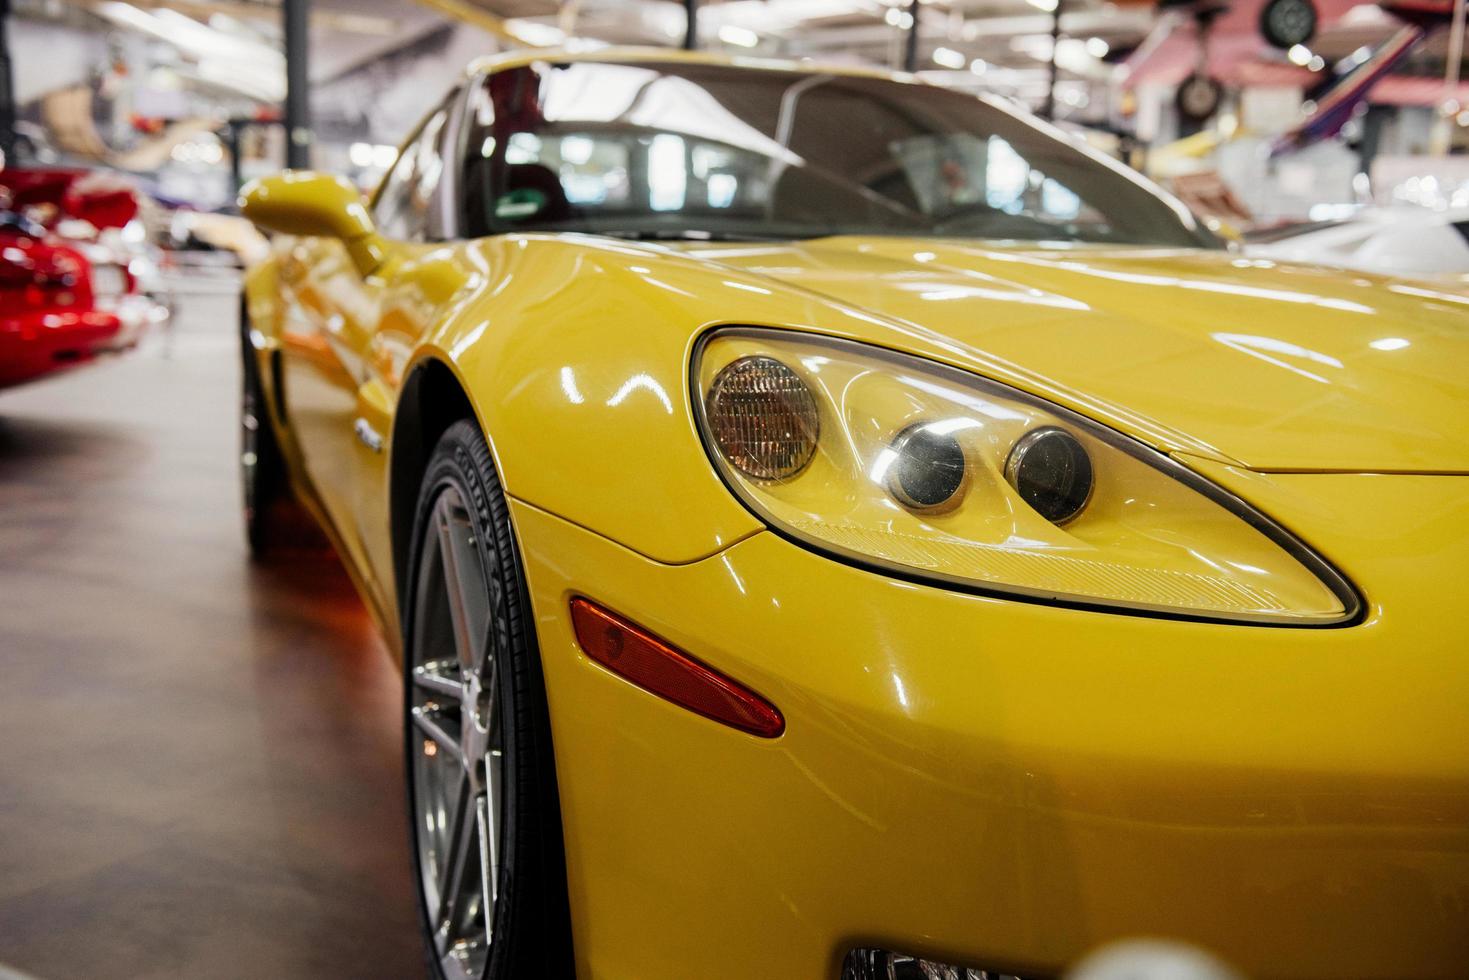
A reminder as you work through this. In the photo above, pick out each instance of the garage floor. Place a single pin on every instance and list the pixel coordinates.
(199, 759)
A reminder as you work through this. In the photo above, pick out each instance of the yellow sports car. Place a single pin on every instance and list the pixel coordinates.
(836, 527)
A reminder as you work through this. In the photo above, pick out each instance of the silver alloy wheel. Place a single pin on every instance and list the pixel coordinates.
(457, 751)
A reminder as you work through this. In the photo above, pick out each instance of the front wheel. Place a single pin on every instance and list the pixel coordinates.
(486, 829)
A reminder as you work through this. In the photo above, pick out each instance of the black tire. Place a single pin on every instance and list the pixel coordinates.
(462, 512)
(1286, 23)
(1199, 98)
(265, 487)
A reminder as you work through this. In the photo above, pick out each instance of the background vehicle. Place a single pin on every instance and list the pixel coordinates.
(53, 304)
(1404, 241)
(824, 523)
(76, 285)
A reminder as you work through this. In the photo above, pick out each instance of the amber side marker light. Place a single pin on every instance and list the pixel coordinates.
(637, 655)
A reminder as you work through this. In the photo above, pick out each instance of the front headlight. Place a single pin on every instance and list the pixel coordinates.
(927, 472)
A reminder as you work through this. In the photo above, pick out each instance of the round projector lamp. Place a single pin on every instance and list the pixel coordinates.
(1052, 472)
(928, 469)
(763, 418)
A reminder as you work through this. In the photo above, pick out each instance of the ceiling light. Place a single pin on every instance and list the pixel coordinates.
(1097, 48)
(978, 66)
(1047, 5)
(1300, 54)
(949, 58)
(738, 36)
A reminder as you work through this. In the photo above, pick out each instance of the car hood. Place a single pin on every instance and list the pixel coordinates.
(1274, 366)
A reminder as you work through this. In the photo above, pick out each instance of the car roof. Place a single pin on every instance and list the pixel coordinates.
(641, 55)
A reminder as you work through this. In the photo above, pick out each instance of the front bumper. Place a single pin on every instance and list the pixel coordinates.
(1007, 785)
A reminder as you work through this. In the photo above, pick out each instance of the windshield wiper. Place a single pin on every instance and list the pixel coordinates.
(697, 235)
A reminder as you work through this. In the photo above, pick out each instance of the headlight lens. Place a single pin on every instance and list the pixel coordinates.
(763, 417)
(926, 471)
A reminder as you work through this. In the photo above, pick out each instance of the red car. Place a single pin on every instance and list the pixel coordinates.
(58, 307)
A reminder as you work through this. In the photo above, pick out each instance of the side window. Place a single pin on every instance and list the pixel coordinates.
(534, 161)
(410, 205)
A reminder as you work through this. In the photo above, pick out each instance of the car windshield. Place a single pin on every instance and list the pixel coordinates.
(678, 150)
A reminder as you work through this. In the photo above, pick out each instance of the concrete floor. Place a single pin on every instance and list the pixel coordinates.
(199, 759)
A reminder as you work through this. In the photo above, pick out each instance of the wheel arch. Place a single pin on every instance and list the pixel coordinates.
(259, 332)
(432, 399)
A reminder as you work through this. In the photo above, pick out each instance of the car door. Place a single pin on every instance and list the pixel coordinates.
(346, 338)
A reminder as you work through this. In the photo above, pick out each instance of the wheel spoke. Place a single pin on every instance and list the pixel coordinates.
(463, 846)
(433, 677)
(489, 864)
(464, 581)
(490, 830)
(488, 707)
(430, 727)
(455, 966)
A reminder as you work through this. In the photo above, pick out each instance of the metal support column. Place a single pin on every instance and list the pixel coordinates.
(233, 130)
(910, 50)
(298, 93)
(691, 24)
(1444, 128)
(1049, 111)
(7, 89)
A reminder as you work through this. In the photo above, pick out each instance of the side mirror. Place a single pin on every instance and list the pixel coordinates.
(299, 202)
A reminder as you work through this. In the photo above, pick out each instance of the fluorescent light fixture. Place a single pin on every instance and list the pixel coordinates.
(738, 36)
(949, 58)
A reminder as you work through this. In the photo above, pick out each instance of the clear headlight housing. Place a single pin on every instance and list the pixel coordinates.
(924, 471)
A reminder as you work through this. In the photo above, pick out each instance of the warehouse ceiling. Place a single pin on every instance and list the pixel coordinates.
(1003, 46)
